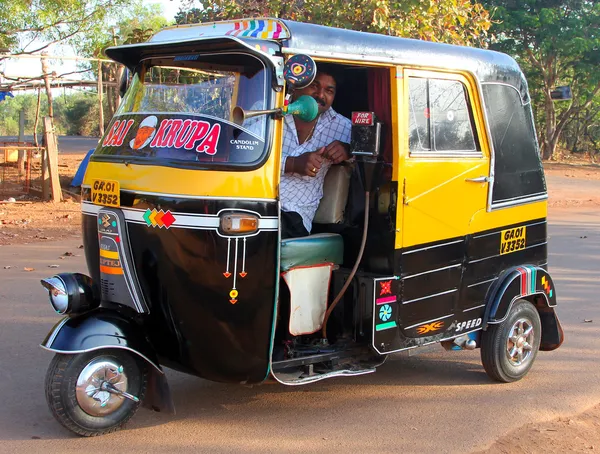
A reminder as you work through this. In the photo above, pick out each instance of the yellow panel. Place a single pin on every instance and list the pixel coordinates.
(260, 183)
(506, 216)
(438, 203)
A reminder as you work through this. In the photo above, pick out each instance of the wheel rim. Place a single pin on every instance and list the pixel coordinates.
(519, 346)
(98, 386)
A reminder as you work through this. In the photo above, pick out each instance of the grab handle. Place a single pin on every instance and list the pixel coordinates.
(478, 180)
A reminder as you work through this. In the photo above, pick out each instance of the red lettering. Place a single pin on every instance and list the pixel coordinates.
(111, 134)
(189, 126)
(199, 134)
(172, 134)
(159, 138)
(122, 132)
(209, 144)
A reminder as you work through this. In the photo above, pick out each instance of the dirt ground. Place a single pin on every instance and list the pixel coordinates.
(569, 185)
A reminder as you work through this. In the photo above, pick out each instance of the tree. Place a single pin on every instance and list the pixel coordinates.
(30, 26)
(450, 21)
(558, 43)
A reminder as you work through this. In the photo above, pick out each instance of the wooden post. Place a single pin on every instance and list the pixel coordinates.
(52, 159)
(101, 119)
(21, 153)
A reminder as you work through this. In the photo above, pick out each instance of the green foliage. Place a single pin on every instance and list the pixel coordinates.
(74, 114)
(450, 21)
(31, 25)
(557, 42)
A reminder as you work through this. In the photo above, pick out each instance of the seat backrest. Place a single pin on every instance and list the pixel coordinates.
(335, 195)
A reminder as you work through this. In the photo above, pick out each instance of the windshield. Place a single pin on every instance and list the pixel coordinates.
(179, 108)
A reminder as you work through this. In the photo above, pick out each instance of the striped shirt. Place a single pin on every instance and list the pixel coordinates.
(302, 194)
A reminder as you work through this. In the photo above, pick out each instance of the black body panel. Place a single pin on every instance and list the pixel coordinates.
(195, 322)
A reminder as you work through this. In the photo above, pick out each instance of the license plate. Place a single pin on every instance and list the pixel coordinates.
(512, 240)
(106, 193)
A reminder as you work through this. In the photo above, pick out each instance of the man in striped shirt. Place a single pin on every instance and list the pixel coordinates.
(309, 150)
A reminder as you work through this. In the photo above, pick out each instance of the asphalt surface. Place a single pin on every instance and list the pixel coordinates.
(66, 144)
(435, 402)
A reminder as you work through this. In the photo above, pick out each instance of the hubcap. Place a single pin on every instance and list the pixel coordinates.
(100, 387)
(520, 340)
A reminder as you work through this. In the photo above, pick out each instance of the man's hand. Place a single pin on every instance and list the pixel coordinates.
(337, 152)
(307, 164)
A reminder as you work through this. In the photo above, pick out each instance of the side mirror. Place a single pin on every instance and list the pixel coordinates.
(561, 93)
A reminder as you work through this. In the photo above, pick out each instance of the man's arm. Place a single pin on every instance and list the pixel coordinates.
(307, 164)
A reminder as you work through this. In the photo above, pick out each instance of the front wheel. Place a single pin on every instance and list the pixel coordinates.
(95, 393)
(508, 349)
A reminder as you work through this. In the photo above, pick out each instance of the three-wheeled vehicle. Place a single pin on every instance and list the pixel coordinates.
(434, 233)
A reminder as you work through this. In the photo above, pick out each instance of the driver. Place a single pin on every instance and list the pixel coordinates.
(309, 149)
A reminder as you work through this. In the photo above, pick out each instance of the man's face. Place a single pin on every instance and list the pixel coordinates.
(322, 90)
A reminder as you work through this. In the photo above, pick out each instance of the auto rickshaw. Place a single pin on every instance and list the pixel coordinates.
(435, 231)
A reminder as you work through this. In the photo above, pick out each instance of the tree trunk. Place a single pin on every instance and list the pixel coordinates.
(46, 74)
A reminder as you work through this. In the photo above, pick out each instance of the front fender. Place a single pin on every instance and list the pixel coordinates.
(96, 330)
(531, 283)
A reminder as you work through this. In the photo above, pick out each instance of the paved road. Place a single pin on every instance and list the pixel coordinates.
(66, 144)
(435, 402)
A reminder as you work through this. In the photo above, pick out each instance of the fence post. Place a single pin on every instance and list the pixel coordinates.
(52, 159)
(21, 153)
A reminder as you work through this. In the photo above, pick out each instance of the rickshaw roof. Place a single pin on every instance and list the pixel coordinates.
(329, 42)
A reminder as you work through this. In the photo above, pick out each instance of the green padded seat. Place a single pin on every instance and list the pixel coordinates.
(312, 250)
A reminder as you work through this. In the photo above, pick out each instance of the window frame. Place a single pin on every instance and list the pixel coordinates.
(476, 127)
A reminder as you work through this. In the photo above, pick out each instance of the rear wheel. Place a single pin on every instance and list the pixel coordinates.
(508, 349)
(95, 393)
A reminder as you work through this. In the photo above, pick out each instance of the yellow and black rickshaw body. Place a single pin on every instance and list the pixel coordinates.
(457, 233)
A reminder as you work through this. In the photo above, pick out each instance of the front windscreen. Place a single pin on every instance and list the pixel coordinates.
(178, 111)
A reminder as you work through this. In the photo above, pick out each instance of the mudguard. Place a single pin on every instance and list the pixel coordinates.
(105, 329)
(534, 284)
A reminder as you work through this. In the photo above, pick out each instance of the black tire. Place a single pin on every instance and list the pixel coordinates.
(496, 344)
(61, 380)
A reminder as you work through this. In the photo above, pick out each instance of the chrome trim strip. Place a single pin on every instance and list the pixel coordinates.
(432, 271)
(446, 154)
(183, 220)
(75, 352)
(473, 308)
(482, 282)
(429, 321)
(522, 201)
(432, 247)
(316, 378)
(430, 296)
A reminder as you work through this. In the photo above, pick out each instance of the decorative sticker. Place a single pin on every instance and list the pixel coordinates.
(181, 137)
(384, 326)
(385, 312)
(300, 71)
(233, 294)
(460, 326)
(430, 327)
(512, 240)
(385, 288)
(547, 287)
(528, 279)
(159, 219)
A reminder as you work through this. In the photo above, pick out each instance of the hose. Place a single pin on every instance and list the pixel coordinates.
(354, 269)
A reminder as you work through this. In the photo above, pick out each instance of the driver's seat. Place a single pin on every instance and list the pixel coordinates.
(307, 262)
